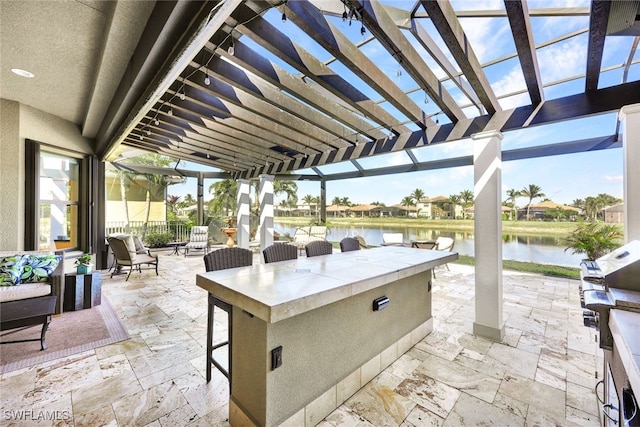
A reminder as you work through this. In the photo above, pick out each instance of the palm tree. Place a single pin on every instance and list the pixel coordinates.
(454, 200)
(125, 178)
(417, 195)
(224, 196)
(408, 201)
(336, 201)
(155, 182)
(512, 195)
(345, 201)
(290, 188)
(466, 199)
(532, 192)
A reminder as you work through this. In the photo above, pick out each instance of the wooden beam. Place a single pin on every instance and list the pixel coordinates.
(311, 21)
(597, 31)
(276, 42)
(520, 23)
(444, 19)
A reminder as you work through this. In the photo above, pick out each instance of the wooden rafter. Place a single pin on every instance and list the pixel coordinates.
(525, 47)
(444, 19)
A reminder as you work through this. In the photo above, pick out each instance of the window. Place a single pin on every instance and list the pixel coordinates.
(58, 201)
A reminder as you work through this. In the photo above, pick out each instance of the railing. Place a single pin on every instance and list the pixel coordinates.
(179, 229)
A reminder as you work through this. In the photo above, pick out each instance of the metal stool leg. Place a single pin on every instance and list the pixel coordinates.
(212, 303)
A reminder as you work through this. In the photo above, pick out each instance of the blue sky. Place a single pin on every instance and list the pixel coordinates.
(562, 178)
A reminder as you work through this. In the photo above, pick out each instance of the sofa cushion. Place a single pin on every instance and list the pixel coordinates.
(39, 268)
(25, 290)
(11, 268)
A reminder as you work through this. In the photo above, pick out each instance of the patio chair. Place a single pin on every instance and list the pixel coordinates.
(279, 252)
(222, 259)
(124, 251)
(349, 244)
(363, 243)
(318, 247)
(198, 240)
(444, 244)
(392, 239)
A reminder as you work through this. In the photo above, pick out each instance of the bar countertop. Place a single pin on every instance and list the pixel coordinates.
(277, 291)
(625, 328)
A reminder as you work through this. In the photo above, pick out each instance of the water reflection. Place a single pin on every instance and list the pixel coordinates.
(518, 247)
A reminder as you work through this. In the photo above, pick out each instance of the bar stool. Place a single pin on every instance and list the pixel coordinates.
(222, 259)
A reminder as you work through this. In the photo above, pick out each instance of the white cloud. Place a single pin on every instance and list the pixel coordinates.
(613, 178)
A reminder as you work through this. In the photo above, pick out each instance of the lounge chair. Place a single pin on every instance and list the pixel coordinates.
(198, 240)
(392, 239)
(124, 251)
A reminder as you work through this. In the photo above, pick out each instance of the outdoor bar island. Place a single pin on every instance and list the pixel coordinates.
(308, 333)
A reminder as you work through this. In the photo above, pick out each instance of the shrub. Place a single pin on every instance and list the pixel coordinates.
(157, 240)
(593, 239)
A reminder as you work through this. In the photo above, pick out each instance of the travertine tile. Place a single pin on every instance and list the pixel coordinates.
(148, 405)
(516, 361)
(420, 417)
(380, 405)
(321, 407)
(433, 395)
(534, 393)
(471, 411)
(342, 417)
(544, 369)
(461, 377)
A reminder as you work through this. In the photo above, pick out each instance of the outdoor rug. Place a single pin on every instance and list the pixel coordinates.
(69, 333)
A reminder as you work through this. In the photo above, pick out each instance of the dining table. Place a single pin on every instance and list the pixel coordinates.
(308, 333)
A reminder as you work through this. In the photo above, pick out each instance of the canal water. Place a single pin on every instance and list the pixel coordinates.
(538, 249)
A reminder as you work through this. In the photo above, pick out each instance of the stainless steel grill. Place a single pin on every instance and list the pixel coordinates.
(612, 284)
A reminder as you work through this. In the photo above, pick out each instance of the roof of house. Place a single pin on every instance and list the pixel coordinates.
(549, 204)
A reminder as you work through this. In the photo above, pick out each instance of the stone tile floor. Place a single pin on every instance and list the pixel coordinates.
(542, 373)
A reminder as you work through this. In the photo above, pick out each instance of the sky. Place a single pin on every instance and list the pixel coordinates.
(561, 178)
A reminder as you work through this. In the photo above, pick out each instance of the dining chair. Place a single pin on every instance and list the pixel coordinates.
(125, 254)
(222, 259)
(279, 252)
(349, 244)
(318, 247)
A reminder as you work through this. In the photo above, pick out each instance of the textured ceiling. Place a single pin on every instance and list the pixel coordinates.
(78, 51)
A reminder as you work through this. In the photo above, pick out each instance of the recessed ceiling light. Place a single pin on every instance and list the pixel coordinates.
(22, 73)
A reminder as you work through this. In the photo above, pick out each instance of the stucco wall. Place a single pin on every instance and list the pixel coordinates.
(320, 347)
(11, 177)
(18, 123)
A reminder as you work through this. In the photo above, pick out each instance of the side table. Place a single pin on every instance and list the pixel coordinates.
(82, 290)
(176, 247)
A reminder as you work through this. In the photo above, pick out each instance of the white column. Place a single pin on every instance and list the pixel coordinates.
(266, 211)
(487, 172)
(630, 124)
(244, 203)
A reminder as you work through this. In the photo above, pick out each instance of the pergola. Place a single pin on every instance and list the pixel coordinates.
(257, 88)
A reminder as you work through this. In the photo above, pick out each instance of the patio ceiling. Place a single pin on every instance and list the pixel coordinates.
(246, 92)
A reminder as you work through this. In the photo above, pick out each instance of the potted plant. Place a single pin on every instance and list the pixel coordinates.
(83, 264)
(594, 239)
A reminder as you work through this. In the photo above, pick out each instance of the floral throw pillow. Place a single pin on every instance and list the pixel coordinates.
(11, 268)
(39, 268)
